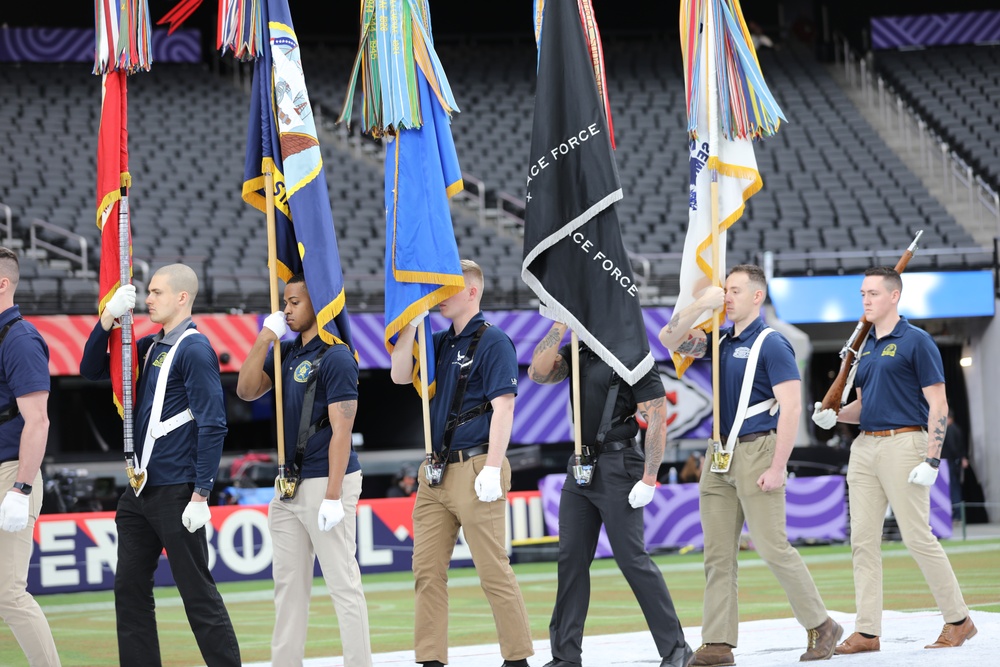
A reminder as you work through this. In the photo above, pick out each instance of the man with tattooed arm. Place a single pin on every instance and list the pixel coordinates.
(623, 482)
(902, 410)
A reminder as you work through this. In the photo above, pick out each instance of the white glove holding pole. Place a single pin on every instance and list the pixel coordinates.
(924, 474)
(641, 494)
(415, 322)
(14, 512)
(196, 515)
(331, 512)
(276, 323)
(488, 484)
(122, 301)
(824, 418)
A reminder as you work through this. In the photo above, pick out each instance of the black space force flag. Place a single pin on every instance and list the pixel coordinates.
(574, 258)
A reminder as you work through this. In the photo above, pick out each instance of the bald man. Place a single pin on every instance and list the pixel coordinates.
(178, 444)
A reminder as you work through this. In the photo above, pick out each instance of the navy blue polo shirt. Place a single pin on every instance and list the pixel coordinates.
(337, 382)
(189, 454)
(595, 383)
(892, 371)
(775, 364)
(493, 373)
(24, 369)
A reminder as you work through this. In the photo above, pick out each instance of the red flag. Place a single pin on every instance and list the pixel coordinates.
(112, 178)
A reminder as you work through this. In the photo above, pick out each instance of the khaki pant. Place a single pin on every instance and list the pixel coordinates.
(876, 478)
(726, 499)
(18, 608)
(297, 542)
(438, 513)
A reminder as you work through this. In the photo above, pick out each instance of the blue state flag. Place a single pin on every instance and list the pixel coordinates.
(422, 266)
(282, 138)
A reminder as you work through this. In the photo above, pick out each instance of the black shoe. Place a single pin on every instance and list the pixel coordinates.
(679, 658)
(432, 663)
(523, 662)
(556, 662)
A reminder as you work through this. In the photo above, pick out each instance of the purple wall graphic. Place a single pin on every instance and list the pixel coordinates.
(893, 32)
(64, 45)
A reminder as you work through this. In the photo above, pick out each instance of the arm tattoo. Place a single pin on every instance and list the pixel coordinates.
(551, 338)
(559, 369)
(559, 372)
(693, 346)
(348, 409)
(655, 414)
(937, 438)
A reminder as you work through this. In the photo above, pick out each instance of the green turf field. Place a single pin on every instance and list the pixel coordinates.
(84, 623)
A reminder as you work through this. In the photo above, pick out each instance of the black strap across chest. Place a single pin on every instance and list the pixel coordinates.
(12, 410)
(461, 386)
(307, 427)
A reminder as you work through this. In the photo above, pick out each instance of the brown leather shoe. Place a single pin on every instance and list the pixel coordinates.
(712, 655)
(857, 643)
(822, 641)
(955, 635)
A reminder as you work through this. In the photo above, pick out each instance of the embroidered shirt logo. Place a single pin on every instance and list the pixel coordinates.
(158, 362)
(303, 371)
(513, 381)
(462, 360)
(741, 353)
(890, 350)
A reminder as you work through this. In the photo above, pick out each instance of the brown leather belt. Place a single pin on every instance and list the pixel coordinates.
(892, 431)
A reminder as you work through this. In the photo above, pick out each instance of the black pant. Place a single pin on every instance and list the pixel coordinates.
(581, 513)
(146, 524)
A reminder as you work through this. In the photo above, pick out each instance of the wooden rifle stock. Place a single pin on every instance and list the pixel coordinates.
(848, 355)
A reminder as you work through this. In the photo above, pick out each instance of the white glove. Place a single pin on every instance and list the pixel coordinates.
(488, 484)
(196, 515)
(924, 474)
(276, 323)
(415, 322)
(824, 418)
(122, 301)
(641, 494)
(331, 512)
(14, 512)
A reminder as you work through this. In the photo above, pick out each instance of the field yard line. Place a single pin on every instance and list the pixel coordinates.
(472, 580)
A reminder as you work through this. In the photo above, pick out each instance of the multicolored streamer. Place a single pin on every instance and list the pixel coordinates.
(123, 36)
(395, 42)
(747, 109)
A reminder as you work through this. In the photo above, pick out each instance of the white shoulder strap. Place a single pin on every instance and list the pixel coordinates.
(156, 427)
(742, 409)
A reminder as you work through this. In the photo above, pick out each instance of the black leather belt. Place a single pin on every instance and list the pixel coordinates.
(595, 450)
(457, 456)
(749, 437)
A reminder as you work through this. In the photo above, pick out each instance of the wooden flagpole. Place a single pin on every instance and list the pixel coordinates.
(285, 486)
(425, 401)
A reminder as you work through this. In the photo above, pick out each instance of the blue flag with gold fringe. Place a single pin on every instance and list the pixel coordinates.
(422, 266)
(282, 137)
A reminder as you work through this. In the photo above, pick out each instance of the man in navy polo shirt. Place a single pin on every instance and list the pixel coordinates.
(623, 482)
(472, 495)
(180, 455)
(902, 410)
(754, 486)
(24, 430)
(320, 520)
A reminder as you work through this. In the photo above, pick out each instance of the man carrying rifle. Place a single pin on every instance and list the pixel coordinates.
(894, 461)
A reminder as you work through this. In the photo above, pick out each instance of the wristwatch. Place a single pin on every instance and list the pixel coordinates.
(202, 491)
(23, 487)
(934, 463)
